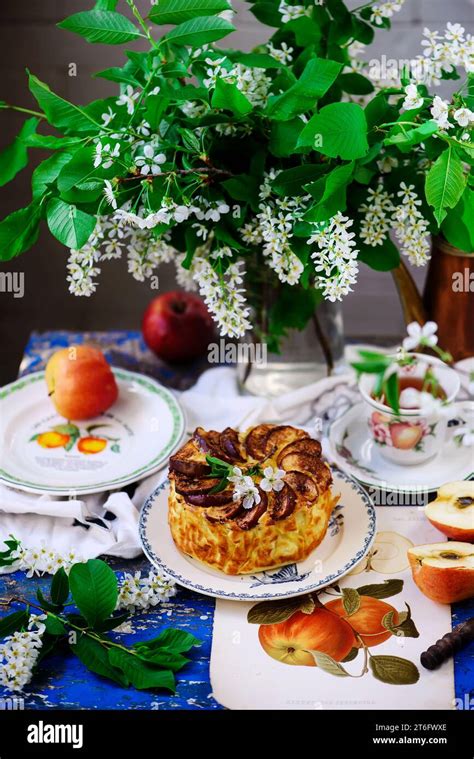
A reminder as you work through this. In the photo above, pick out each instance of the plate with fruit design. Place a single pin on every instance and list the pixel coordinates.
(43, 451)
(349, 537)
(358, 453)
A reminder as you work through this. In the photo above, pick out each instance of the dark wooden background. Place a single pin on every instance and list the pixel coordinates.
(30, 39)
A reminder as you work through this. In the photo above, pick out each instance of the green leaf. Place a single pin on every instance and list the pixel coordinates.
(54, 626)
(457, 227)
(243, 187)
(384, 590)
(106, 27)
(284, 136)
(228, 97)
(394, 670)
(111, 623)
(267, 13)
(45, 142)
(94, 590)
(371, 367)
(95, 657)
(47, 172)
(350, 600)
(317, 77)
(404, 627)
(59, 112)
(328, 664)
(330, 193)
(70, 429)
(121, 75)
(355, 84)
(178, 641)
(338, 130)
(105, 5)
(59, 587)
(351, 655)
(14, 158)
(44, 603)
(391, 390)
(80, 173)
(71, 226)
(13, 623)
(199, 31)
(19, 231)
(445, 183)
(404, 139)
(383, 257)
(177, 11)
(291, 181)
(141, 675)
(271, 612)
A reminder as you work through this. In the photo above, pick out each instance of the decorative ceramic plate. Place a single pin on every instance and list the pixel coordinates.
(349, 537)
(354, 451)
(41, 452)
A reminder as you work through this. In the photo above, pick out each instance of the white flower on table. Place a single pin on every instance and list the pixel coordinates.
(420, 335)
(150, 162)
(466, 435)
(19, 653)
(272, 479)
(244, 488)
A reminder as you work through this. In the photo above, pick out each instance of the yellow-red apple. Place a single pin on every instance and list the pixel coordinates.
(80, 382)
(91, 444)
(367, 620)
(444, 571)
(291, 641)
(453, 510)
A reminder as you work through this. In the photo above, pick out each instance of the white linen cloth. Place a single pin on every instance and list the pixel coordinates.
(108, 523)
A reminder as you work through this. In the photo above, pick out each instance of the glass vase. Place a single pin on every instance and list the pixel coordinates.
(305, 356)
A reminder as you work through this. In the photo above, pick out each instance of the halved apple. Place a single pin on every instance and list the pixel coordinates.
(453, 510)
(444, 572)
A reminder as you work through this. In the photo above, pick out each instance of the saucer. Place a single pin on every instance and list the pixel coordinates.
(354, 451)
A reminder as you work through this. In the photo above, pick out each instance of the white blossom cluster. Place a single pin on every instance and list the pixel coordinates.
(139, 593)
(223, 295)
(41, 560)
(454, 48)
(19, 653)
(411, 228)
(336, 258)
(245, 489)
(463, 117)
(381, 215)
(381, 11)
(377, 216)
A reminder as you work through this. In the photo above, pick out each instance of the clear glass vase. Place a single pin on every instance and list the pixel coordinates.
(305, 356)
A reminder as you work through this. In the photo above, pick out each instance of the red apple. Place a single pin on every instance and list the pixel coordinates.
(444, 572)
(291, 642)
(405, 436)
(367, 620)
(177, 326)
(453, 510)
(80, 382)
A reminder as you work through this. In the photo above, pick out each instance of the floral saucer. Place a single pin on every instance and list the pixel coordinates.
(356, 452)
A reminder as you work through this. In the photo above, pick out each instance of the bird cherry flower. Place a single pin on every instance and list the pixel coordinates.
(150, 162)
(272, 479)
(420, 335)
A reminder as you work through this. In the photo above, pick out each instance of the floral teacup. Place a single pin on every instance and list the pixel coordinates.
(414, 435)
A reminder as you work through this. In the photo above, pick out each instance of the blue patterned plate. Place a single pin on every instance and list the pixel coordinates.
(349, 537)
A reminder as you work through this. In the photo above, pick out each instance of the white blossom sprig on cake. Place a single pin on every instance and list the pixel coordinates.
(282, 168)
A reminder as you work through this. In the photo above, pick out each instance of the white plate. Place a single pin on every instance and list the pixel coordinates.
(141, 430)
(353, 450)
(350, 534)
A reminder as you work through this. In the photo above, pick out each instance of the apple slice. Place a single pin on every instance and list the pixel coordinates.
(306, 445)
(230, 444)
(255, 440)
(283, 505)
(444, 572)
(453, 510)
(183, 461)
(303, 485)
(206, 500)
(282, 435)
(188, 486)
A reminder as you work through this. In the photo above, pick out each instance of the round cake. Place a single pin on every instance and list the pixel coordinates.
(211, 523)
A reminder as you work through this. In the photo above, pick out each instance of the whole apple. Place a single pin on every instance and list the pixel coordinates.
(177, 326)
(80, 383)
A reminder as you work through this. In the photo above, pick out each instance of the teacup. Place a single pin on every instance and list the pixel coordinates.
(411, 437)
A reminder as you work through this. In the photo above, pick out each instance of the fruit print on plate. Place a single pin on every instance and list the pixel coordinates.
(41, 452)
(354, 644)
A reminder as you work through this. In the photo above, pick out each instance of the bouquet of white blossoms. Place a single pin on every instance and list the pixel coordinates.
(278, 170)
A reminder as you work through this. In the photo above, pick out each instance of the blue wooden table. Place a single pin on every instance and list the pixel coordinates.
(64, 682)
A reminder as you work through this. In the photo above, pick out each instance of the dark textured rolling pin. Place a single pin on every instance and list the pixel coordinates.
(448, 645)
